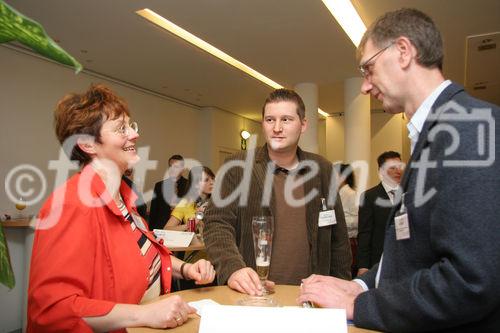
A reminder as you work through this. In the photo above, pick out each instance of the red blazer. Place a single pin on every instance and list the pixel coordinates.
(85, 258)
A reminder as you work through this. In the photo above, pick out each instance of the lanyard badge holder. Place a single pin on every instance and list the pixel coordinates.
(401, 222)
(326, 217)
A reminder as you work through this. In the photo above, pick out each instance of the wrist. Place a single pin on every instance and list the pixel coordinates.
(184, 269)
(139, 316)
(135, 314)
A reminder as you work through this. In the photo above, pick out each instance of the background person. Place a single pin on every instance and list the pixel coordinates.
(168, 193)
(439, 270)
(377, 203)
(94, 260)
(201, 183)
(350, 204)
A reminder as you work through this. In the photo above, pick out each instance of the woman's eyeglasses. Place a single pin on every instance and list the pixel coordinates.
(124, 129)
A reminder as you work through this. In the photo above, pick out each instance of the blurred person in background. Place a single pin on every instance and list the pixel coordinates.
(350, 204)
(200, 185)
(168, 193)
(374, 211)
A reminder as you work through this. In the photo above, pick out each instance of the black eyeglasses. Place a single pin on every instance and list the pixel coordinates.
(364, 68)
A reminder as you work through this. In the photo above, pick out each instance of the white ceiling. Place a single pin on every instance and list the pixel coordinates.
(290, 41)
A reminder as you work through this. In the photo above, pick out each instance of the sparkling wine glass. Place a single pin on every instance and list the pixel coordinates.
(262, 230)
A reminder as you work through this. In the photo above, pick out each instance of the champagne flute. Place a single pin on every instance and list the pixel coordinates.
(262, 230)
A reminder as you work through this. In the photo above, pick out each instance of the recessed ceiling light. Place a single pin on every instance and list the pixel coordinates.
(346, 15)
(162, 22)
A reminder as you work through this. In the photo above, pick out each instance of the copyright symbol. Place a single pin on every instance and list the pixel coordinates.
(21, 174)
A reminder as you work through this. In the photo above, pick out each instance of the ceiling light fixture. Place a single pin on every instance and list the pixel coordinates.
(159, 20)
(346, 15)
(162, 22)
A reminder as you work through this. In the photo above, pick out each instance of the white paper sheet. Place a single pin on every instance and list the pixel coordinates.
(247, 319)
(201, 304)
(174, 238)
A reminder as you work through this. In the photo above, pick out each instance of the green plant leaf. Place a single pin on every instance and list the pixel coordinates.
(14, 26)
(6, 273)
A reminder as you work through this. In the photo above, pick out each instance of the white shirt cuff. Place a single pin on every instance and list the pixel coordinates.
(362, 284)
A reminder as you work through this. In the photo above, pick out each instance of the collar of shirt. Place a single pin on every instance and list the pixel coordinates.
(417, 121)
(388, 187)
(296, 171)
(391, 191)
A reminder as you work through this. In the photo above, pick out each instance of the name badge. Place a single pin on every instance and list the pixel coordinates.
(327, 217)
(402, 227)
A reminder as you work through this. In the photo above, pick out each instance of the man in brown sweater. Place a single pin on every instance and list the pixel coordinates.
(289, 184)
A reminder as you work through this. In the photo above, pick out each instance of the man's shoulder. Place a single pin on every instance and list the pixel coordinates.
(315, 157)
(158, 185)
(472, 102)
(242, 155)
(373, 191)
(455, 99)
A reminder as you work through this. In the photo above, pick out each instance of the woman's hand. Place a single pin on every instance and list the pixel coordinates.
(165, 313)
(201, 272)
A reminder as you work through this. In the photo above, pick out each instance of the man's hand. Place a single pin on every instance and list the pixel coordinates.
(247, 281)
(362, 271)
(330, 292)
(202, 272)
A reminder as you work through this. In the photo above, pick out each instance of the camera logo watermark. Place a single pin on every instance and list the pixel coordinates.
(475, 149)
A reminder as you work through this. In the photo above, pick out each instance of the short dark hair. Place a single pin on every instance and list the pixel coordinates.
(84, 114)
(347, 174)
(175, 157)
(286, 95)
(387, 155)
(417, 26)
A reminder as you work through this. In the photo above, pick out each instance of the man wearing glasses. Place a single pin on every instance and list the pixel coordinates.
(439, 269)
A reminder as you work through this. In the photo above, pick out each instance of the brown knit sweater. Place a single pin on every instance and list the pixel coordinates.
(228, 230)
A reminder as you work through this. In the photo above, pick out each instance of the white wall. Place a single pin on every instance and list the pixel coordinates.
(29, 90)
(224, 136)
